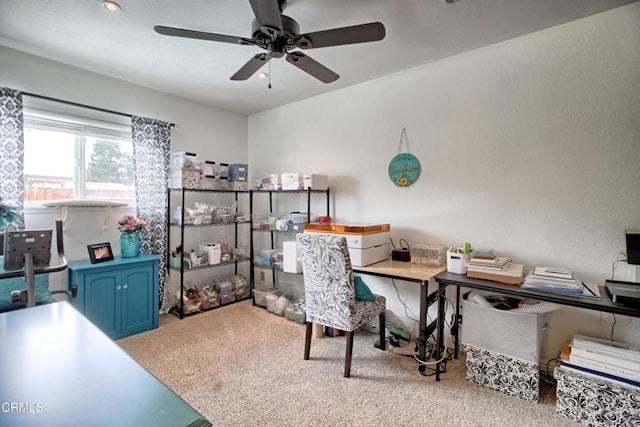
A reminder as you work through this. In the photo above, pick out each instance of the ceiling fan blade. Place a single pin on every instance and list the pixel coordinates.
(267, 14)
(313, 67)
(191, 34)
(253, 65)
(363, 33)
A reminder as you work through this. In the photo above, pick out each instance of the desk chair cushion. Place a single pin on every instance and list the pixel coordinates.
(43, 295)
(330, 294)
(363, 293)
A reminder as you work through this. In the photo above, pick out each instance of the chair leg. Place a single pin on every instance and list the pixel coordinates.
(347, 357)
(307, 341)
(383, 332)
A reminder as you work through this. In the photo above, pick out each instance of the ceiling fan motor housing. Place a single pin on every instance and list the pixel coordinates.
(264, 36)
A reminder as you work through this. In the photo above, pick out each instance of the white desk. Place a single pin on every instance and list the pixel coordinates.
(58, 369)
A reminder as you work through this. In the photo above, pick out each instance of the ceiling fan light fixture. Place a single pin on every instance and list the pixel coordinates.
(263, 75)
(111, 6)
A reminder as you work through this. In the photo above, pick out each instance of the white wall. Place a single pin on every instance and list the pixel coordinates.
(530, 147)
(212, 133)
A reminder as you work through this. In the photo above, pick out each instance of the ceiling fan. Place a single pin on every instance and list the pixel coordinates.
(280, 35)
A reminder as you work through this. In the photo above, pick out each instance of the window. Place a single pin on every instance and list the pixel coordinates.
(68, 157)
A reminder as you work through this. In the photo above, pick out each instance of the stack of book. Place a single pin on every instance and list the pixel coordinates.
(553, 279)
(496, 268)
(611, 360)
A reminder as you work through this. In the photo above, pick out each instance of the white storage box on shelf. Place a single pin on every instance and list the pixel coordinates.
(209, 168)
(315, 182)
(222, 170)
(182, 159)
(367, 244)
(299, 219)
(291, 181)
(213, 251)
(290, 257)
(276, 181)
(503, 347)
(185, 177)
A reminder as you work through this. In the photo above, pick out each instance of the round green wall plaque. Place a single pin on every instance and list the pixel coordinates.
(404, 169)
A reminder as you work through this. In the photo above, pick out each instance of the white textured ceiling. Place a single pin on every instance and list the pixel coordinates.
(125, 46)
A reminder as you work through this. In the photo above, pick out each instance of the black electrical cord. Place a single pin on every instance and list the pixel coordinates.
(615, 320)
(548, 375)
(403, 302)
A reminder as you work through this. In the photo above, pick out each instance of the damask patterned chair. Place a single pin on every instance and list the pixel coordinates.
(330, 292)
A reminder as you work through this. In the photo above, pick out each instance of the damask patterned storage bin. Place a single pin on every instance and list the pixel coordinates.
(506, 374)
(594, 401)
(503, 349)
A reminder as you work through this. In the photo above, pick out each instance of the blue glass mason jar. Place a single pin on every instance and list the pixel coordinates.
(129, 244)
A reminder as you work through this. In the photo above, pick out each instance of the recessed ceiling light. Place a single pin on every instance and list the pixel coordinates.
(263, 75)
(111, 6)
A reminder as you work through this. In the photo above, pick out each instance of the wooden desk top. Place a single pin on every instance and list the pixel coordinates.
(400, 270)
(58, 369)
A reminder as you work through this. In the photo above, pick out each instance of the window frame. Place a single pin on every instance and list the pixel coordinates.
(81, 125)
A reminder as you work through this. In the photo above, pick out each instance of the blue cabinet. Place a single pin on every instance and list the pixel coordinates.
(120, 296)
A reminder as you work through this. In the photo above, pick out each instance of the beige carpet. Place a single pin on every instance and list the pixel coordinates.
(242, 366)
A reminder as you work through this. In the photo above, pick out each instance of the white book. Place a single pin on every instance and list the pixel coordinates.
(574, 286)
(557, 272)
(575, 369)
(609, 358)
(548, 279)
(573, 283)
(629, 351)
(499, 260)
(488, 268)
(604, 367)
(514, 270)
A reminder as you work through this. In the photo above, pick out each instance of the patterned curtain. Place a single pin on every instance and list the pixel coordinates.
(12, 153)
(151, 146)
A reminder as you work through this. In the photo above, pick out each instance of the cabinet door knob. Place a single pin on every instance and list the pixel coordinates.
(118, 287)
(125, 286)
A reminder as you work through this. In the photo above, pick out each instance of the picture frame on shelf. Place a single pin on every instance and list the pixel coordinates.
(100, 252)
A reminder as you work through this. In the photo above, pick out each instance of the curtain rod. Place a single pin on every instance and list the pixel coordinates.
(76, 104)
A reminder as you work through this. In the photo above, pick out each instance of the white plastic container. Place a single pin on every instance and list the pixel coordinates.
(260, 295)
(457, 263)
(213, 251)
(290, 257)
(315, 182)
(291, 181)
